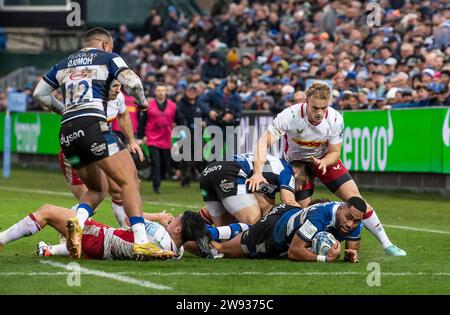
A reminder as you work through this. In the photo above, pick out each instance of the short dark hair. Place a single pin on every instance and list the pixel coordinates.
(358, 203)
(192, 226)
(96, 32)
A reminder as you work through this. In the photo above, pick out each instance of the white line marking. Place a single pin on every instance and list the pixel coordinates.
(415, 229)
(66, 194)
(221, 274)
(32, 274)
(113, 276)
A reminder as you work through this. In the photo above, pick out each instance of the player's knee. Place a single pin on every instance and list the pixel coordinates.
(44, 210)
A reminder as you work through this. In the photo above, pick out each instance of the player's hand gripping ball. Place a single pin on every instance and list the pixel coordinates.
(322, 242)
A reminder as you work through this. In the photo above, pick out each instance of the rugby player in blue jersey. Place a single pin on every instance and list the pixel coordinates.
(227, 198)
(86, 140)
(288, 231)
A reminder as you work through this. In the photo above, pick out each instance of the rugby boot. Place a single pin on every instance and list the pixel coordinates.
(74, 234)
(394, 251)
(42, 250)
(149, 251)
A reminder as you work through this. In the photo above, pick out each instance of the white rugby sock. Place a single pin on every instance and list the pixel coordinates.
(84, 211)
(140, 235)
(119, 213)
(25, 227)
(58, 250)
(373, 224)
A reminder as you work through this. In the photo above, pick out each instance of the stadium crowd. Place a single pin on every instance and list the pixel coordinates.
(262, 55)
(272, 49)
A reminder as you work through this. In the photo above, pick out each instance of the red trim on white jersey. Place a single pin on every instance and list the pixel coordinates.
(303, 115)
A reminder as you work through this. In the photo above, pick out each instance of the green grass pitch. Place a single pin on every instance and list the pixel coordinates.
(418, 223)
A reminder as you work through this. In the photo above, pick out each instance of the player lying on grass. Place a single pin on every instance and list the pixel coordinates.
(101, 241)
(289, 230)
(227, 197)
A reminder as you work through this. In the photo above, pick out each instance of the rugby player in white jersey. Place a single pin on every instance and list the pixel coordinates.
(84, 78)
(313, 134)
(116, 108)
(100, 241)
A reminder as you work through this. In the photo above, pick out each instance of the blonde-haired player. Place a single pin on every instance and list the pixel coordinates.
(313, 134)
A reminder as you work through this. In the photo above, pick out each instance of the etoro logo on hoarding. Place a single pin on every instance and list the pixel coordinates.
(27, 135)
(367, 148)
(446, 129)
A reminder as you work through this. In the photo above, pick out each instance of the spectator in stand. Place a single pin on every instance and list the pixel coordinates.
(214, 68)
(153, 27)
(122, 38)
(189, 107)
(222, 107)
(171, 22)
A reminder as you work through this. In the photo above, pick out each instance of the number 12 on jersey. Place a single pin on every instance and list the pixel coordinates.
(78, 92)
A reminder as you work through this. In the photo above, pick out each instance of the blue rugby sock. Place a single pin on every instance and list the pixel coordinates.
(227, 232)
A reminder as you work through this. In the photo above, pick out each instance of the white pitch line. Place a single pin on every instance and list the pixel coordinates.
(313, 273)
(221, 274)
(415, 229)
(66, 194)
(113, 276)
(32, 274)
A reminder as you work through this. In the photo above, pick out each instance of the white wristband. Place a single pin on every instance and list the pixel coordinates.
(322, 258)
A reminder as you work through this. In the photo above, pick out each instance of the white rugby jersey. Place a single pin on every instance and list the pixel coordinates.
(115, 107)
(304, 140)
(157, 234)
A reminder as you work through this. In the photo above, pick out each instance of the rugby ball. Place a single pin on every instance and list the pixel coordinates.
(322, 242)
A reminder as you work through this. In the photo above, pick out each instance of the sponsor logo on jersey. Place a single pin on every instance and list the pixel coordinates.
(103, 126)
(78, 75)
(98, 149)
(74, 160)
(66, 140)
(226, 186)
(311, 144)
(211, 169)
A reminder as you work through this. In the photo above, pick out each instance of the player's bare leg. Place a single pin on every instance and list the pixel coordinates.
(121, 169)
(117, 204)
(370, 219)
(231, 248)
(244, 208)
(35, 222)
(78, 190)
(249, 215)
(95, 181)
(265, 203)
(305, 202)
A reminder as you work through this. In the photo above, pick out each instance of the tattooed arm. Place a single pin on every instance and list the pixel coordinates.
(133, 86)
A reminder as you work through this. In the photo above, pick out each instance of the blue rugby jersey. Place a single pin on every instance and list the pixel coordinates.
(85, 78)
(276, 171)
(309, 221)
